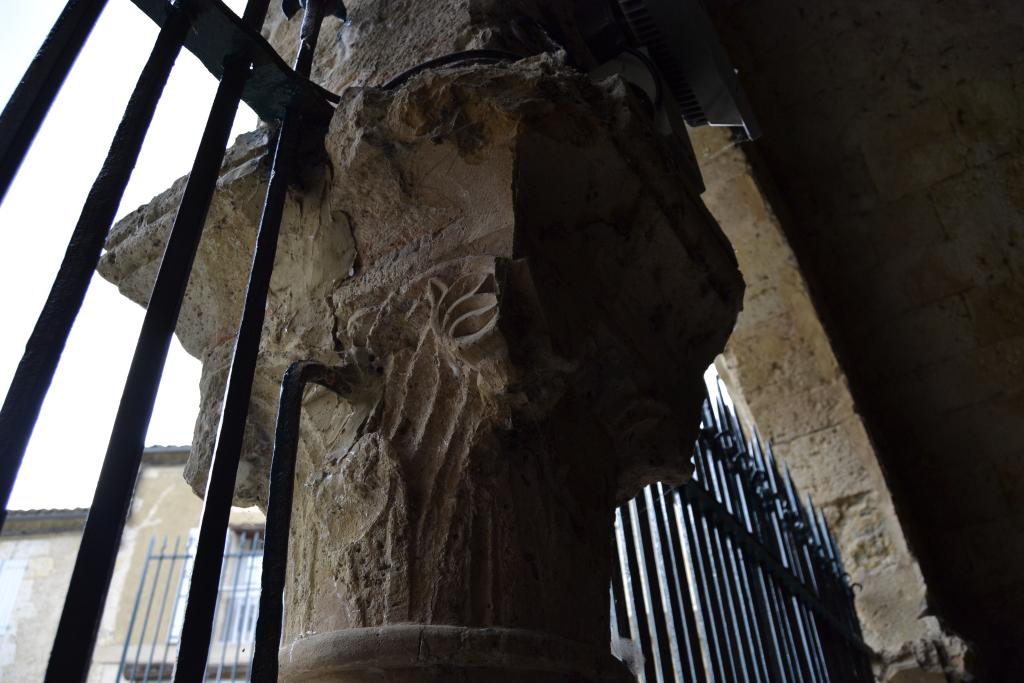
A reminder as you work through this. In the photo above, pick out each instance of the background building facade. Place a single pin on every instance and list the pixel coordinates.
(144, 606)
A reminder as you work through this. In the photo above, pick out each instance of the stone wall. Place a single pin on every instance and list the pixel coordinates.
(32, 623)
(783, 377)
(893, 132)
(45, 544)
(164, 508)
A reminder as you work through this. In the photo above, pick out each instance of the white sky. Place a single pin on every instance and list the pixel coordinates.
(36, 221)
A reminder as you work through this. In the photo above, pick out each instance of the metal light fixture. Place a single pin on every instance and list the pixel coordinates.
(678, 41)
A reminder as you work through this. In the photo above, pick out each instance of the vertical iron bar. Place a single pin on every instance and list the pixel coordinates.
(279, 512)
(634, 553)
(91, 578)
(630, 613)
(811, 634)
(655, 586)
(46, 343)
(794, 555)
(777, 592)
(780, 651)
(279, 509)
(802, 635)
(255, 617)
(738, 638)
(227, 453)
(754, 624)
(833, 550)
(698, 594)
(309, 35)
(721, 573)
(860, 659)
(135, 609)
(762, 601)
(174, 610)
(834, 661)
(250, 613)
(781, 599)
(840, 665)
(149, 608)
(714, 608)
(684, 623)
(35, 93)
(225, 553)
(782, 538)
(76, 633)
(819, 644)
(240, 610)
(232, 608)
(750, 645)
(706, 532)
(163, 605)
(787, 668)
(619, 613)
(803, 560)
(738, 480)
(749, 605)
(789, 626)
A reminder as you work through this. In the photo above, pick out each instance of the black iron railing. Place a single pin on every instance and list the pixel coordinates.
(157, 614)
(249, 69)
(731, 577)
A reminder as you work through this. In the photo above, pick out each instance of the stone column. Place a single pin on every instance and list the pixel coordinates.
(511, 257)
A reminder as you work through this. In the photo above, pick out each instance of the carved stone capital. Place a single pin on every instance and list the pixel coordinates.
(513, 257)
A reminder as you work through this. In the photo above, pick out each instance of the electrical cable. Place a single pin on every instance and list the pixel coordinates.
(653, 69)
(485, 56)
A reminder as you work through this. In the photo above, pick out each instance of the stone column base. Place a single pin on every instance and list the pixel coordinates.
(417, 653)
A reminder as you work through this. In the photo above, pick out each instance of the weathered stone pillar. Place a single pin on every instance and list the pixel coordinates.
(512, 257)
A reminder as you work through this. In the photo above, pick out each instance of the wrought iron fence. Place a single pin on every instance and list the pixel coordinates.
(731, 577)
(157, 614)
(248, 69)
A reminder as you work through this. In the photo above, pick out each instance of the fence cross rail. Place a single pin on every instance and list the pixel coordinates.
(730, 577)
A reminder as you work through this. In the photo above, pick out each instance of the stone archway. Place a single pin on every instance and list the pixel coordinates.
(783, 375)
